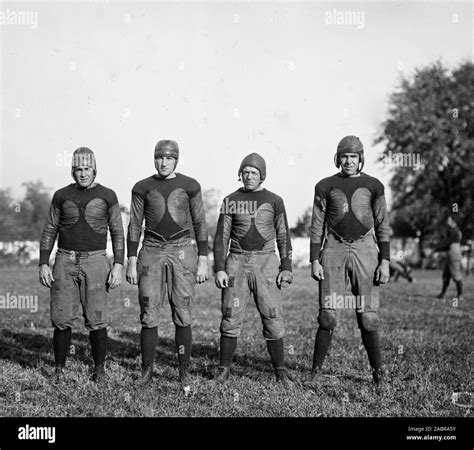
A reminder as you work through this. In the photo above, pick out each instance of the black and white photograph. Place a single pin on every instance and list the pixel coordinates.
(236, 224)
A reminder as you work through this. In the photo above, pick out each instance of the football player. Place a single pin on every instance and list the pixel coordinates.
(452, 265)
(400, 269)
(251, 220)
(168, 266)
(81, 214)
(350, 219)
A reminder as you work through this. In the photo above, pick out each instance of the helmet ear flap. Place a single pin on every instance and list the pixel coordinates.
(361, 163)
(336, 161)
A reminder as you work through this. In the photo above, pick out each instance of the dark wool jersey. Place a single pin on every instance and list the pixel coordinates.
(349, 207)
(452, 236)
(252, 220)
(171, 208)
(81, 217)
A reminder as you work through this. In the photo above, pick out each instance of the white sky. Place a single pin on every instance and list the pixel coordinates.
(223, 79)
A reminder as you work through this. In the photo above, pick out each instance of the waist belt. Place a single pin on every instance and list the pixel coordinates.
(250, 252)
(251, 256)
(349, 241)
(167, 244)
(75, 254)
(174, 237)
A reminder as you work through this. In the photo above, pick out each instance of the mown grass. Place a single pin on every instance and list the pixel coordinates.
(426, 345)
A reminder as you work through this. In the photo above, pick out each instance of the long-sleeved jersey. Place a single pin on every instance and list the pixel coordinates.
(252, 220)
(82, 217)
(453, 236)
(171, 208)
(349, 207)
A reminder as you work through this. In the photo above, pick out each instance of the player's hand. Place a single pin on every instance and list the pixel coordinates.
(222, 279)
(317, 271)
(131, 274)
(45, 275)
(115, 276)
(202, 270)
(382, 272)
(284, 279)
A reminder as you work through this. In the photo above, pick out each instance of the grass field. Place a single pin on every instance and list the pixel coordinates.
(426, 345)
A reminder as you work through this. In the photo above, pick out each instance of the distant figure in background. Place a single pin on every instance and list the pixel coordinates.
(23, 256)
(81, 213)
(452, 265)
(400, 268)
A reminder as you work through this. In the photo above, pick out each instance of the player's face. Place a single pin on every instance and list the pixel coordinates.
(251, 178)
(83, 176)
(349, 163)
(165, 165)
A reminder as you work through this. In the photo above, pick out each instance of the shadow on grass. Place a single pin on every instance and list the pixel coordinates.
(205, 357)
(32, 350)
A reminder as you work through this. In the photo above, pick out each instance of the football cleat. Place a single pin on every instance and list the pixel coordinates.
(98, 376)
(146, 376)
(58, 375)
(283, 377)
(222, 374)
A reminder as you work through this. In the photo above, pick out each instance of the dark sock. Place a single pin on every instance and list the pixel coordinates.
(459, 287)
(183, 338)
(61, 343)
(228, 346)
(321, 345)
(445, 285)
(148, 340)
(98, 339)
(275, 348)
(371, 342)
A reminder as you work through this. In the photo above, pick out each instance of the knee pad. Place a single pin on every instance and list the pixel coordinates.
(327, 319)
(273, 329)
(230, 328)
(182, 317)
(368, 321)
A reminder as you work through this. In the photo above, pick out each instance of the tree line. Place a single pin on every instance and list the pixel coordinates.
(428, 146)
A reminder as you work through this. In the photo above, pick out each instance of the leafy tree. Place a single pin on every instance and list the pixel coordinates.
(431, 117)
(303, 224)
(8, 223)
(24, 219)
(34, 208)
